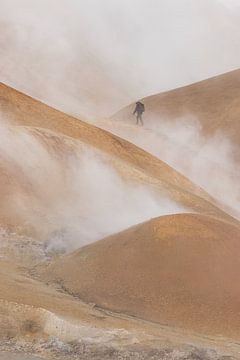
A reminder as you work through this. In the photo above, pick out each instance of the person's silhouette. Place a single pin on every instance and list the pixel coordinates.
(139, 110)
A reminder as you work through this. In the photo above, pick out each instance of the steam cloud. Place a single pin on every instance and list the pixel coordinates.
(208, 161)
(70, 194)
(90, 58)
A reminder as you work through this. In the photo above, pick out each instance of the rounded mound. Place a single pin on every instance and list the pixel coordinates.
(178, 270)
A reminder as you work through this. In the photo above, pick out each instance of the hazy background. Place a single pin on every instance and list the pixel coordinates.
(90, 57)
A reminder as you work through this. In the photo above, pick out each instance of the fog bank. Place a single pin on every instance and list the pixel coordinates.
(91, 58)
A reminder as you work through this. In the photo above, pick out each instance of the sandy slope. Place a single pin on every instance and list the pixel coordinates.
(215, 103)
(41, 319)
(194, 129)
(129, 160)
(121, 273)
(180, 271)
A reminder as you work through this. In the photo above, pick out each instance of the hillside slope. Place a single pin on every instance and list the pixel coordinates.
(215, 102)
(178, 270)
(145, 168)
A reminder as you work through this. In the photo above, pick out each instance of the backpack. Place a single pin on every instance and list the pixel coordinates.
(142, 107)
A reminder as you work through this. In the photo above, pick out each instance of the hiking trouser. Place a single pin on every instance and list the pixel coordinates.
(139, 119)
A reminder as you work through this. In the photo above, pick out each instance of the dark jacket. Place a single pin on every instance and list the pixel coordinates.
(140, 108)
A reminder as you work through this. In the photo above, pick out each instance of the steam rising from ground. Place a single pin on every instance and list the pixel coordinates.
(208, 161)
(68, 192)
(91, 58)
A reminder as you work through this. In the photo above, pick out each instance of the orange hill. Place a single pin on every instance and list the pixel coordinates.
(215, 102)
(179, 270)
(129, 160)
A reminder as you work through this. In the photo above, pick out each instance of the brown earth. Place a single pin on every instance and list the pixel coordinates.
(186, 278)
(178, 270)
(129, 160)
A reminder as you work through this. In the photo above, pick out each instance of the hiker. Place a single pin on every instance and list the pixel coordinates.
(139, 110)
